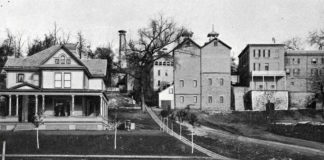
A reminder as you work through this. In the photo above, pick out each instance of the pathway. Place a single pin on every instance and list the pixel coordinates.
(183, 139)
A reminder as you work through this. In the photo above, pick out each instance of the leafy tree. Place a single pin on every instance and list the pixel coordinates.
(148, 48)
(295, 43)
(316, 38)
(39, 45)
(106, 53)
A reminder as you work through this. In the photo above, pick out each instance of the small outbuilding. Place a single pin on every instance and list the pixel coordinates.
(166, 98)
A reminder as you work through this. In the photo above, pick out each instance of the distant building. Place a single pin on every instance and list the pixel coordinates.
(262, 71)
(166, 98)
(305, 70)
(162, 74)
(202, 74)
(261, 67)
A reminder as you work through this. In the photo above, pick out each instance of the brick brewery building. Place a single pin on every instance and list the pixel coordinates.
(283, 77)
(201, 74)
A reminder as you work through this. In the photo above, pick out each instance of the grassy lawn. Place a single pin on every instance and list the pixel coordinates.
(231, 147)
(95, 142)
(255, 124)
(142, 120)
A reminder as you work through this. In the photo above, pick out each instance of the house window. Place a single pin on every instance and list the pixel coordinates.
(195, 99)
(268, 52)
(166, 73)
(260, 86)
(57, 61)
(314, 60)
(210, 99)
(210, 81)
(188, 44)
(159, 72)
(67, 80)
(298, 61)
(160, 63)
(264, 53)
(288, 71)
(221, 81)
(58, 80)
(181, 99)
(164, 63)
(159, 82)
(215, 43)
(322, 60)
(254, 66)
(254, 53)
(62, 59)
(266, 67)
(171, 63)
(287, 61)
(36, 78)
(171, 91)
(20, 77)
(272, 86)
(259, 66)
(314, 71)
(156, 63)
(296, 71)
(181, 83)
(259, 53)
(168, 63)
(195, 83)
(221, 99)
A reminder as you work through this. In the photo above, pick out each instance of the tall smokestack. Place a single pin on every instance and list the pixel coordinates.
(122, 44)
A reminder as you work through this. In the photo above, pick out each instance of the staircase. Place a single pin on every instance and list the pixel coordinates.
(24, 126)
(183, 139)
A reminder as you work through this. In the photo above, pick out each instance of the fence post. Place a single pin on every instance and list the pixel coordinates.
(4, 150)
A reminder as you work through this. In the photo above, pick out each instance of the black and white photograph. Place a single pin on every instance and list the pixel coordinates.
(162, 79)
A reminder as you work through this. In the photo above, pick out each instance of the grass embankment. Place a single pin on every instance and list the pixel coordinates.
(256, 125)
(95, 142)
(141, 119)
(234, 148)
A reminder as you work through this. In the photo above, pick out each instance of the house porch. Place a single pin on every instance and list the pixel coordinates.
(61, 111)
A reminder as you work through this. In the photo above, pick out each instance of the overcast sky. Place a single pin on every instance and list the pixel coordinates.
(239, 22)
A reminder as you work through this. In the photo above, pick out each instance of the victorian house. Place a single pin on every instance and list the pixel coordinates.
(56, 83)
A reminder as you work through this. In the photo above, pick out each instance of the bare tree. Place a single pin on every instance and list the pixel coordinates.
(81, 44)
(294, 43)
(18, 45)
(148, 48)
(316, 38)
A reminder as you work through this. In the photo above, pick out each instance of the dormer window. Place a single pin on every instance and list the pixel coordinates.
(62, 59)
(68, 61)
(215, 43)
(57, 61)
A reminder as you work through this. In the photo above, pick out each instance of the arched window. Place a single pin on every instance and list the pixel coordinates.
(221, 99)
(62, 59)
(156, 63)
(221, 81)
(160, 63)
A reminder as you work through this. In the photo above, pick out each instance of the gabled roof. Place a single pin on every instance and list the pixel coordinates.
(24, 84)
(218, 41)
(94, 67)
(97, 67)
(184, 41)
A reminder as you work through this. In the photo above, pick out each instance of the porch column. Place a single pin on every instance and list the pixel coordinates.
(252, 83)
(286, 83)
(36, 104)
(101, 105)
(72, 106)
(275, 80)
(9, 105)
(17, 104)
(263, 83)
(43, 103)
